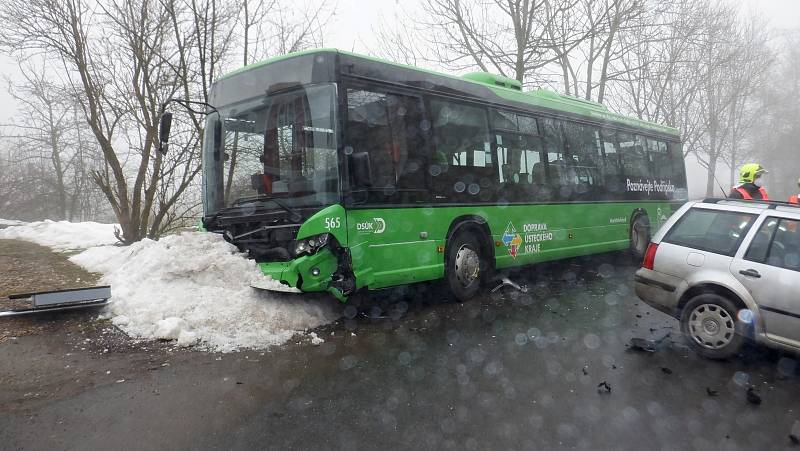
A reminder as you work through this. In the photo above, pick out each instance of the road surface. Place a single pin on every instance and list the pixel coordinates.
(545, 370)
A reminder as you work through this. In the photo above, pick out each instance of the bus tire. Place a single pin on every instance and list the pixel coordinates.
(639, 236)
(464, 265)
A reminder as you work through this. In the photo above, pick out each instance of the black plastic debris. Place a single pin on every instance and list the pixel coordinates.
(60, 300)
(647, 344)
(506, 282)
(753, 397)
(603, 387)
(585, 371)
(666, 370)
(794, 439)
(711, 392)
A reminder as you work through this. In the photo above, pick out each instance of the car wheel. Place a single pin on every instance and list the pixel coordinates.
(639, 236)
(463, 266)
(711, 325)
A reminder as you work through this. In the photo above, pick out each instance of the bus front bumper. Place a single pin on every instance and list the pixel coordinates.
(309, 273)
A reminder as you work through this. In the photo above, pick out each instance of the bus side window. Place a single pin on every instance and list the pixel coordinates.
(660, 163)
(387, 127)
(610, 166)
(678, 170)
(555, 149)
(462, 164)
(583, 145)
(518, 150)
(634, 156)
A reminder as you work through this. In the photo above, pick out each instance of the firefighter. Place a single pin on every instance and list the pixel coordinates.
(795, 198)
(749, 188)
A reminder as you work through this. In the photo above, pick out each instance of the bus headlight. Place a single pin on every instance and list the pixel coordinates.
(310, 245)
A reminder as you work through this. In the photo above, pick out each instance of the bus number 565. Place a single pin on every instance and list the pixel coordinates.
(332, 223)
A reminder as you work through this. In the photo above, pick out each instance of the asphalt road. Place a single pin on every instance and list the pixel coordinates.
(544, 370)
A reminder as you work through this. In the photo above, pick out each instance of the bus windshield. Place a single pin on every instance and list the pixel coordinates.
(279, 146)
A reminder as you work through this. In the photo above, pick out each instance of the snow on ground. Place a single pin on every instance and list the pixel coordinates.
(61, 235)
(10, 222)
(195, 288)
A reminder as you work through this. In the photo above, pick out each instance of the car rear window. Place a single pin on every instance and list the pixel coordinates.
(717, 231)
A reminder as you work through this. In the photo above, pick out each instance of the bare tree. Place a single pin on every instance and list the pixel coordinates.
(111, 55)
(48, 135)
(776, 133)
(511, 37)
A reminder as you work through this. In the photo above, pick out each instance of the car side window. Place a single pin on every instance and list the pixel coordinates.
(784, 252)
(717, 231)
(759, 247)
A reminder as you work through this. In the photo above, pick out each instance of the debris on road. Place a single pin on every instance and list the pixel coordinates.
(643, 344)
(506, 282)
(647, 344)
(59, 300)
(666, 370)
(794, 439)
(315, 340)
(753, 397)
(711, 392)
(603, 387)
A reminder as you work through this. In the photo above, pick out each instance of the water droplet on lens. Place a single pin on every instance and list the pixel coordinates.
(745, 316)
(605, 270)
(474, 188)
(459, 187)
(591, 341)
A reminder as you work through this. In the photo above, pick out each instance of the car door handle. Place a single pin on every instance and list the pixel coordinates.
(750, 273)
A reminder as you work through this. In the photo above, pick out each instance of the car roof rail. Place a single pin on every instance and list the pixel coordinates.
(771, 204)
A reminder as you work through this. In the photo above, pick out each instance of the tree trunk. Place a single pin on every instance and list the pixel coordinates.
(712, 169)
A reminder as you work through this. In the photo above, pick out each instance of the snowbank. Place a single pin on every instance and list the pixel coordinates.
(61, 235)
(195, 288)
(10, 222)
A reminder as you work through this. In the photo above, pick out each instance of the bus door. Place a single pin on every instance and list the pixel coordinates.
(385, 227)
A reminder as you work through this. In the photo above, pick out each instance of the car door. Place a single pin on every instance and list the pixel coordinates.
(770, 269)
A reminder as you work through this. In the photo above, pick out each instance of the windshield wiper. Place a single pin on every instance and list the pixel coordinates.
(294, 215)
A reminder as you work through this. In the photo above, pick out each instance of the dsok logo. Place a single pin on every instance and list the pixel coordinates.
(377, 225)
(512, 240)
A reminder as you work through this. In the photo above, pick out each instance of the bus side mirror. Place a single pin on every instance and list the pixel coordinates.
(163, 131)
(362, 170)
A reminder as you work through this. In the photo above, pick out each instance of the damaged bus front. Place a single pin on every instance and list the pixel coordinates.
(271, 172)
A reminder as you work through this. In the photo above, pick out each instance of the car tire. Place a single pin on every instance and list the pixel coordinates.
(639, 236)
(712, 327)
(464, 265)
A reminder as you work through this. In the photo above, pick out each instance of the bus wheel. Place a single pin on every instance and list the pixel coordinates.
(639, 236)
(464, 263)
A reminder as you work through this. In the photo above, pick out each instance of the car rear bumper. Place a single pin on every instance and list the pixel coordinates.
(658, 290)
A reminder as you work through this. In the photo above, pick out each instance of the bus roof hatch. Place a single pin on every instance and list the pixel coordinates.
(494, 80)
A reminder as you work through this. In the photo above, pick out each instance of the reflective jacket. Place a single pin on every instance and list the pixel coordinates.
(758, 194)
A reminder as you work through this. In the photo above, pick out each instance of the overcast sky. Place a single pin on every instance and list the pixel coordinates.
(352, 28)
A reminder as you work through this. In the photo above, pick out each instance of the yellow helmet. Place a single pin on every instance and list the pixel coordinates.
(749, 172)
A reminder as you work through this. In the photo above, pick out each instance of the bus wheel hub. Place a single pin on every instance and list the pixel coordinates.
(467, 265)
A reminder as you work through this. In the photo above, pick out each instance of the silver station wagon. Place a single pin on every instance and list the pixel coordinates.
(728, 270)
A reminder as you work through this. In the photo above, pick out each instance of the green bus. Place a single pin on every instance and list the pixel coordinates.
(339, 172)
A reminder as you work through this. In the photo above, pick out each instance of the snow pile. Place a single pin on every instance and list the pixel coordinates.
(195, 288)
(62, 235)
(9, 222)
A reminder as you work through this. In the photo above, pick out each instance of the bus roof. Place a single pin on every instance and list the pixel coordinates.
(503, 87)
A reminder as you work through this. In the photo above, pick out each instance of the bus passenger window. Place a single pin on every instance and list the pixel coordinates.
(461, 140)
(634, 156)
(387, 127)
(660, 161)
(583, 142)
